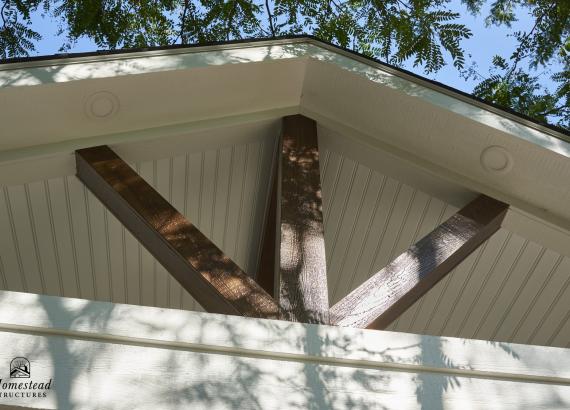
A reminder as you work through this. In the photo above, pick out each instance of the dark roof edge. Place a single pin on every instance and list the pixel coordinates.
(156, 48)
(453, 92)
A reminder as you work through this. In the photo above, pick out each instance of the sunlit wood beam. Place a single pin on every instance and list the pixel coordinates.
(211, 277)
(386, 295)
(302, 278)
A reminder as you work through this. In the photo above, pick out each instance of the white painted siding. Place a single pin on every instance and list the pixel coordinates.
(107, 356)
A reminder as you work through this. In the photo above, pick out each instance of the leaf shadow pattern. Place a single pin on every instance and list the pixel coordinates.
(189, 373)
(94, 315)
(251, 383)
(303, 294)
(431, 387)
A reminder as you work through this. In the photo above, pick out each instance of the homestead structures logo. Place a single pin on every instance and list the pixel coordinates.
(20, 368)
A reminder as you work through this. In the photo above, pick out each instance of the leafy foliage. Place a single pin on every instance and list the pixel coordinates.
(422, 31)
(545, 45)
(16, 36)
(523, 93)
(116, 23)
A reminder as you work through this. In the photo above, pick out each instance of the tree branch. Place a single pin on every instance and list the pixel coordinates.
(270, 17)
(2, 12)
(554, 110)
(230, 19)
(182, 36)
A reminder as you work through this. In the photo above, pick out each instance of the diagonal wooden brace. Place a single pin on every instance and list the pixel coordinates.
(211, 277)
(387, 294)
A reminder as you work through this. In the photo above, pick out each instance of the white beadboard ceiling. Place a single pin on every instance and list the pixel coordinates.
(511, 289)
(56, 238)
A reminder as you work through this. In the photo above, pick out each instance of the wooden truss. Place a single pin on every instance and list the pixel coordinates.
(292, 282)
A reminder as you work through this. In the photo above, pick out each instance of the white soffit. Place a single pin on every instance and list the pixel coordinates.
(454, 139)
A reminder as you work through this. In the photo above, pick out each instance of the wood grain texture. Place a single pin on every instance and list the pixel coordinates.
(212, 278)
(386, 295)
(303, 294)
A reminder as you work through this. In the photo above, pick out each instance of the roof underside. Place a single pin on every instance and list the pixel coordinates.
(396, 159)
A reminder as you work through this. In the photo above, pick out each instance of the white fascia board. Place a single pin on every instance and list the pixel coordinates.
(56, 159)
(206, 332)
(82, 68)
(523, 218)
(443, 98)
(85, 68)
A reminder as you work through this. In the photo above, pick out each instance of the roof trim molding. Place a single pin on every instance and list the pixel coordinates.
(56, 159)
(90, 67)
(522, 218)
(143, 135)
(292, 46)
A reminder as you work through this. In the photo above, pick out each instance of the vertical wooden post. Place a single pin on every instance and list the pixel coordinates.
(267, 261)
(303, 294)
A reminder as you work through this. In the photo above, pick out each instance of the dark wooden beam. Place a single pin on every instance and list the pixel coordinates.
(303, 294)
(267, 261)
(386, 295)
(212, 278)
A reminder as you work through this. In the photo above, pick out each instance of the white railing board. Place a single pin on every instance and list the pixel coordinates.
(97, 375)
(149, 326)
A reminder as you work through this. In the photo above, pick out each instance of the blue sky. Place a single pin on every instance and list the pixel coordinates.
(480, 48)
(486, 42)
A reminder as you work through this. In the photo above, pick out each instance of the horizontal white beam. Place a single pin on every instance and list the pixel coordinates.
(41, 314)
(144, 356)
(177, 328)
(255, 337)
(88, 374)
(41, 162)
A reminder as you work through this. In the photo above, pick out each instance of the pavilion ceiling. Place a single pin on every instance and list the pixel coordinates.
(57, 238)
